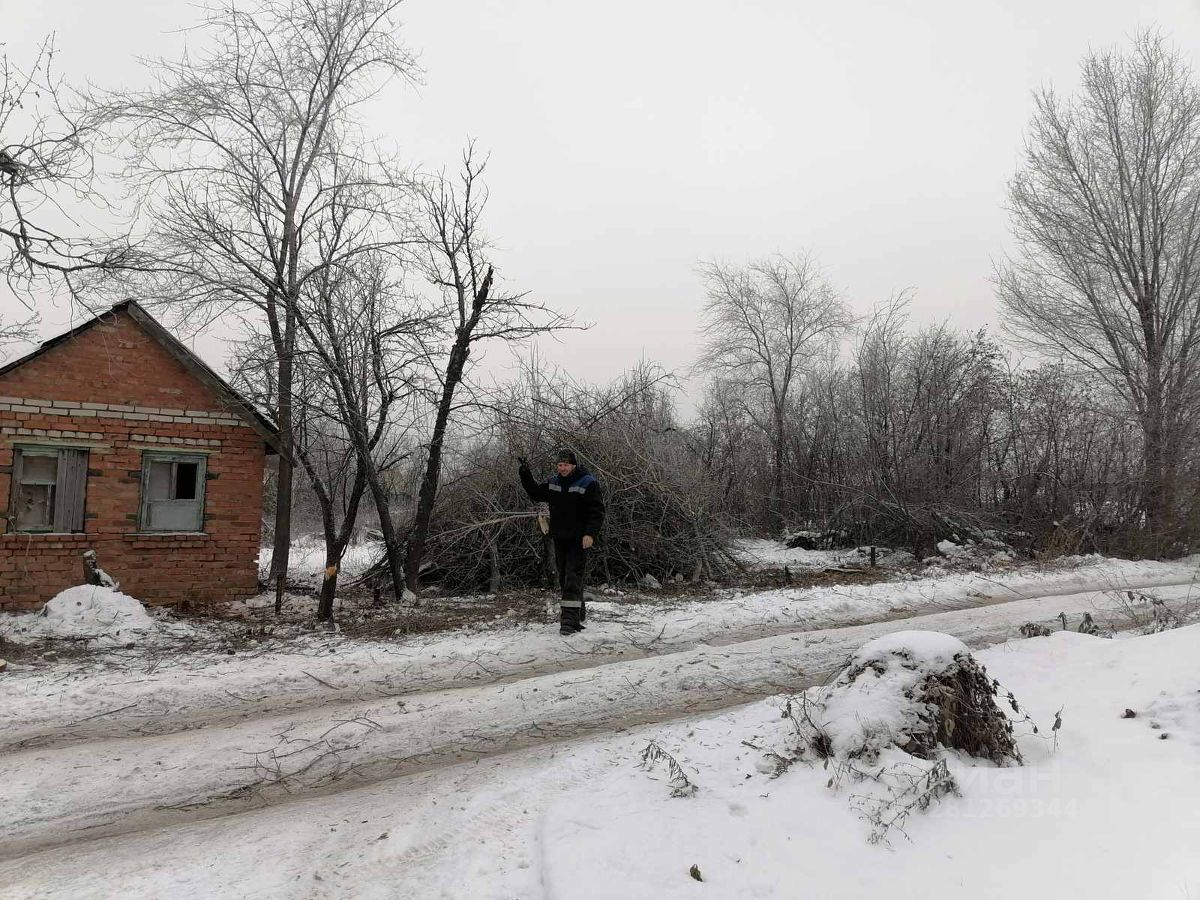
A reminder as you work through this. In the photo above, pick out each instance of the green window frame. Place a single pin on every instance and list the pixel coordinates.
(172, 493)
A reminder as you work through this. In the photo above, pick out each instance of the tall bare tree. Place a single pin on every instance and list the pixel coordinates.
(1106, 214)
(358, 384)
(241, 150)
(763, 323)
(368, 349)
(457, 263)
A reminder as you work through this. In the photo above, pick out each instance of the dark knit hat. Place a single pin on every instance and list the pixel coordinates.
(567, 455)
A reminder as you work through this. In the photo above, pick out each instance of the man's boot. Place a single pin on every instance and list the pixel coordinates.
(570, 623)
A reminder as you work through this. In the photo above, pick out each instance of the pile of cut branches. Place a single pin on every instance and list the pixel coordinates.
(660, 517)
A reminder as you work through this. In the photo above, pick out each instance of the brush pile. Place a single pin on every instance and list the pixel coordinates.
(917, 691)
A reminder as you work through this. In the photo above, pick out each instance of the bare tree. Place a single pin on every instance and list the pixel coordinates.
(1106, 213)
(240, 153)
(358, 369)
(762, 324)
(456, 262)
(371, 360)
(47, 177)
(12, 332)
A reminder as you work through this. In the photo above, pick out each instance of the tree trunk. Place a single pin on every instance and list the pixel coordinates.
(777, 449)
(494, 573)
(433, 465)
(286, 469)
(333, 565)
(1156, 502)
(387, 527)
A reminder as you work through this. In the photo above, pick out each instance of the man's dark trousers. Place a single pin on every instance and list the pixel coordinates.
(571, 561)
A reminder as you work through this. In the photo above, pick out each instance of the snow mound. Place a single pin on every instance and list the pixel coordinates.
(915, 690)
(989, 551)
(96, 609)
(930, 649)
(762, 555)
(85, 611)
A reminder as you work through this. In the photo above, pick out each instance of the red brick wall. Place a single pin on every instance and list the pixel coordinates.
(116, 390)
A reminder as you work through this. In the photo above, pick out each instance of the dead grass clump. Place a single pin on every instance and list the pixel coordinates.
(965, 716)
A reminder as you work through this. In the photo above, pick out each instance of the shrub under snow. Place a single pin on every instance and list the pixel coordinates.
(914, 690)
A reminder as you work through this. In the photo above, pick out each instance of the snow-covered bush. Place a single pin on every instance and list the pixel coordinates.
(972, 554)
(914, 690)
(886, 721)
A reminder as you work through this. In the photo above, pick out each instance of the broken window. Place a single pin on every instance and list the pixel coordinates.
(172, 492)
(49, 484)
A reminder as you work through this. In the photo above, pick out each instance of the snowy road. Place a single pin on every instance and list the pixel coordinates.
(151, 692)
(1109, 814)
(59, 795)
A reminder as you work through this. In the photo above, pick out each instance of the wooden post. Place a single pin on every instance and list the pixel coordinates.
(91, 568)
(494, 579)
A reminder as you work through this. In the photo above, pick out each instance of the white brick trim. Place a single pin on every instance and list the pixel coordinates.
(158, 442)
(71, 408)
(90, 440)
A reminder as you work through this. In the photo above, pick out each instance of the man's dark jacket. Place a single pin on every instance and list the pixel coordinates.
(576, 503)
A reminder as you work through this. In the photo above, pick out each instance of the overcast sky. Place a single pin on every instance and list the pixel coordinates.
(630, 140)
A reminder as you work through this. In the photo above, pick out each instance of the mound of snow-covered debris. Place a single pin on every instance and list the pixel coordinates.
(761, 554)
(101, 614)
(914, 690)
(972, 554)
(885, 557)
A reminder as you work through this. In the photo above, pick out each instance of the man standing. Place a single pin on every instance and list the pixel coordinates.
(576, 517)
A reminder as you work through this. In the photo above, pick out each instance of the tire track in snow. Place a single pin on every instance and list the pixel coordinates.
(176, 700)
(57, 796)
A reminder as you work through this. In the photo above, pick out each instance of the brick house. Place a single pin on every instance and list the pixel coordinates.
(115, 437)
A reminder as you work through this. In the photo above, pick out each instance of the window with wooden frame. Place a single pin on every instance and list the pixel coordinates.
(49, 485)
(172, 492)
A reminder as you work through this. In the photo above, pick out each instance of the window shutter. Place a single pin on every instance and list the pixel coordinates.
(15, 491)
(70, 490)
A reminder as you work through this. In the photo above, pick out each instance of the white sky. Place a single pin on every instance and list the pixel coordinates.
(630, 140)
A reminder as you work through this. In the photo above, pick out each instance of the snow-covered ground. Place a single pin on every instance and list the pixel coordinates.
(128, 749)
(1104, 808)
(156, 688)
(762, 554)
(306, 559)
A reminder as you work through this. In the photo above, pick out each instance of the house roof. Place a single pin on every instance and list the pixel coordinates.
(232, 400)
